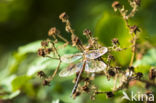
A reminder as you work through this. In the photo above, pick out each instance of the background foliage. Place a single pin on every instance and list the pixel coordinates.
(25, 21)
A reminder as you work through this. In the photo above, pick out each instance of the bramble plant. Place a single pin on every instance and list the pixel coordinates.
(94, 59)
(104, 52)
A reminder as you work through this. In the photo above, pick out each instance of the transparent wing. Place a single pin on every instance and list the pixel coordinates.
(95, 66)
(93, 54)
(71, 69)
(71, 57)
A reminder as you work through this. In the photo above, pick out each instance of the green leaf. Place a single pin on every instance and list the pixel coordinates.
(19, 82)
(109, 27)
(29, 48)
(104, 84)
(20, 55)
(29, 89)
(56, 101)
(142, 68)
(10, 95)
(6, 83)
(6, 88)
(34, 46)
(15, 61)
(41, 63)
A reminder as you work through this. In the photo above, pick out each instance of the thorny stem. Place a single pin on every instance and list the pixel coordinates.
(133, 11)
(126, 17)
(123, 12)
(78, 78)
(133, 50)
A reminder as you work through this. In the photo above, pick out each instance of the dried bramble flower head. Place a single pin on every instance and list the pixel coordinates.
(44, 51)
(44, 43)
(53, 31)
(148, 92)
(134, 29)
(118, 68)
(48, 40)
(68, 28)
(91, 50)
(152, 74)
(111, 72)
(109, 94)
(77, 93)
(41, 52)
(87, 32)
(131, 68)
(138, 2)
(41, 74)
(48, 50)
(46, 83)
(110, 58)
(87, 79)
(64, 17)
(75, 40)
(126, 14)
(139, 75)
(147, 86)
(115, 41)
(85, 88)
(116, 5)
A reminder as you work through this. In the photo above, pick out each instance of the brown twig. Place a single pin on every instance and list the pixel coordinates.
(65, 40)
(59, 58)
(75, 40)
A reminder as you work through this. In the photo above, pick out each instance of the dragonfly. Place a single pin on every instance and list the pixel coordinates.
(88, 63)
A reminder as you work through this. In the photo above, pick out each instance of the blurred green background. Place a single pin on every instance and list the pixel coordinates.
(26, 21)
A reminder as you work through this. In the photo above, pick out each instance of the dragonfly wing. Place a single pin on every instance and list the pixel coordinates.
(71, 57)
(70, 70)
(93, 54)
(95, 66)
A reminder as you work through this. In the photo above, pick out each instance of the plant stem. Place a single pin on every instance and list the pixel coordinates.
(133, 50)
(59, 58)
